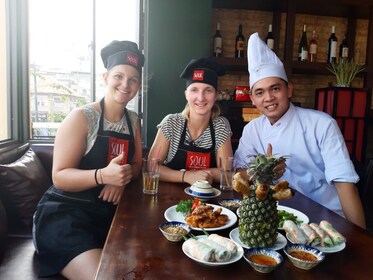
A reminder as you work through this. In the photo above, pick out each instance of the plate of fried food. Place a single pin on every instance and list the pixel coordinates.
(201, 216)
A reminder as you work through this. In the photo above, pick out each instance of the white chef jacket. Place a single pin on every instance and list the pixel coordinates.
(314, 144)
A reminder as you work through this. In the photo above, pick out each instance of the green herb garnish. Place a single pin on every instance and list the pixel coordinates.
(184, 206)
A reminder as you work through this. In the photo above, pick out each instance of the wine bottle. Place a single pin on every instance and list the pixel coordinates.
(343, 49)
(240, 43)
(332, 47)
(218, 42)
(270, 41)
(312, 50)
(303, 52)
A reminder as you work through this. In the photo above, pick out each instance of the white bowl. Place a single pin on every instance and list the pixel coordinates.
(202, 188)
(174, 231)
(259, 251)
(300, 263)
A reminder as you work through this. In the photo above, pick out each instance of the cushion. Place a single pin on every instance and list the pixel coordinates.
(22, 183)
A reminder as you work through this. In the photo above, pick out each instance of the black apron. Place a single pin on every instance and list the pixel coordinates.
(190, 157)
(67, 224)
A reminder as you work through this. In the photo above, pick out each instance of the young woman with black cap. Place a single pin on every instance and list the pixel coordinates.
(190, 143)
(96, 154)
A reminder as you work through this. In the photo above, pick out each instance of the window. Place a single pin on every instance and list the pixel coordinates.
(4, 107)
(65, 67)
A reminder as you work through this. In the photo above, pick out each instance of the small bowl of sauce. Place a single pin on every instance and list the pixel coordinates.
(174, 231)
(303, 256)
(262, 259)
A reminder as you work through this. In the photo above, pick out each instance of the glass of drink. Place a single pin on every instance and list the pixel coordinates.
(227, 171)
(150, 175)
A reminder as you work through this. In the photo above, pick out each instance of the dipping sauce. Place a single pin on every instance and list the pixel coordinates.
(304, 256)
(263, 260)
(175, 230)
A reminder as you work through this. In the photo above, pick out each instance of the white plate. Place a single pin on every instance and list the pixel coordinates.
(279, 244)
(233, 259)
(215, 193)
(171, 215)
(332, 249)
(300, 216)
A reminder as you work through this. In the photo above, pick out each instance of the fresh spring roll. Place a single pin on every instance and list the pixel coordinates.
(312, 236)
(223, 241)
(199, 250)
(326, 241)
(337, 237)
(295, 233)
(222, 254)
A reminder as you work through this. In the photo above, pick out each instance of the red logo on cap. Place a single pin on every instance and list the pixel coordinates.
(198, 75)
(132, 59)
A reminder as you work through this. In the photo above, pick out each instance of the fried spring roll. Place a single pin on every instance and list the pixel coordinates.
(326, 241)
(199, 250)
(223, 241)
(312, 236)
(222, 254)
(337, 237)
(295, 233)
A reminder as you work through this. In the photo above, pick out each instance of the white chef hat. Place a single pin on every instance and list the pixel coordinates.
(262, 61)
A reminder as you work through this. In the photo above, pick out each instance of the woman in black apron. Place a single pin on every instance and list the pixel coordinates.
(73, 217)
(190, 143)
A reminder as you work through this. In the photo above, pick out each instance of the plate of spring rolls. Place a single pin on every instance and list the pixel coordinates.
(279, 244)
(212, 250)
(172, 215)
(297, 216)
(322, 236)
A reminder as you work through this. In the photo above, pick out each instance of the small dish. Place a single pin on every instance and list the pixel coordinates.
(174, 231)
(263, 260)
(303, 256)
(230, 203)
(215, 193)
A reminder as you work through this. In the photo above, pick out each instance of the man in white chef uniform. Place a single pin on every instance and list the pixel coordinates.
(318, 163)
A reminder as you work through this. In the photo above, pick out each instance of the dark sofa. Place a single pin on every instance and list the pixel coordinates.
(25, 174)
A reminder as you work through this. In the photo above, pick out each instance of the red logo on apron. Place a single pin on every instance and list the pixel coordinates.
(116, 147)
(197, 160)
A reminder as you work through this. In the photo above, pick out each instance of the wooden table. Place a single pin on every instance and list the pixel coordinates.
(136, 249)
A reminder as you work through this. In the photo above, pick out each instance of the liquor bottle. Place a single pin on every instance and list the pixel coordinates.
(303, 52)
(218, 42)
(332, 47)
(343, 49)
(312, 50)
(240, 43)
(270, 41)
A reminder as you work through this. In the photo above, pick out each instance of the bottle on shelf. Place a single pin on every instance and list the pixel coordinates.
(343, 49)
(218, 42)
(303, 46)
(332, 47)
(312, 49)
(240, 43)
(270, 41)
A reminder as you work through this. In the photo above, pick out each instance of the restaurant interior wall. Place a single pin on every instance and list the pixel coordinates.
(175, 32)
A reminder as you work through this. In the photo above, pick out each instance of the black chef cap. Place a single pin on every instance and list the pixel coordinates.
(122, 52)
(203, 70)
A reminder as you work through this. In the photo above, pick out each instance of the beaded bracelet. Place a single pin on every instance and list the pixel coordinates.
(96, 177)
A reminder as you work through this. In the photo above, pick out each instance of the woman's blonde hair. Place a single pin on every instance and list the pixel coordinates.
(215, 111)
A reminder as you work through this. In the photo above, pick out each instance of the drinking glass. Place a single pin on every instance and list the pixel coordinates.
(227, 171)
(150, 175)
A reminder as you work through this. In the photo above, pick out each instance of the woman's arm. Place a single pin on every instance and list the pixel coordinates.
(69, 148)
(351, 203)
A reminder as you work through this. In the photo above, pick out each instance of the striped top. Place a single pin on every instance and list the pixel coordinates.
(172, 127)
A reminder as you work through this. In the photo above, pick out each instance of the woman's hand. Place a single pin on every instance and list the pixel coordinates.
(115, 173)
(192, 176)
(111, 193)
